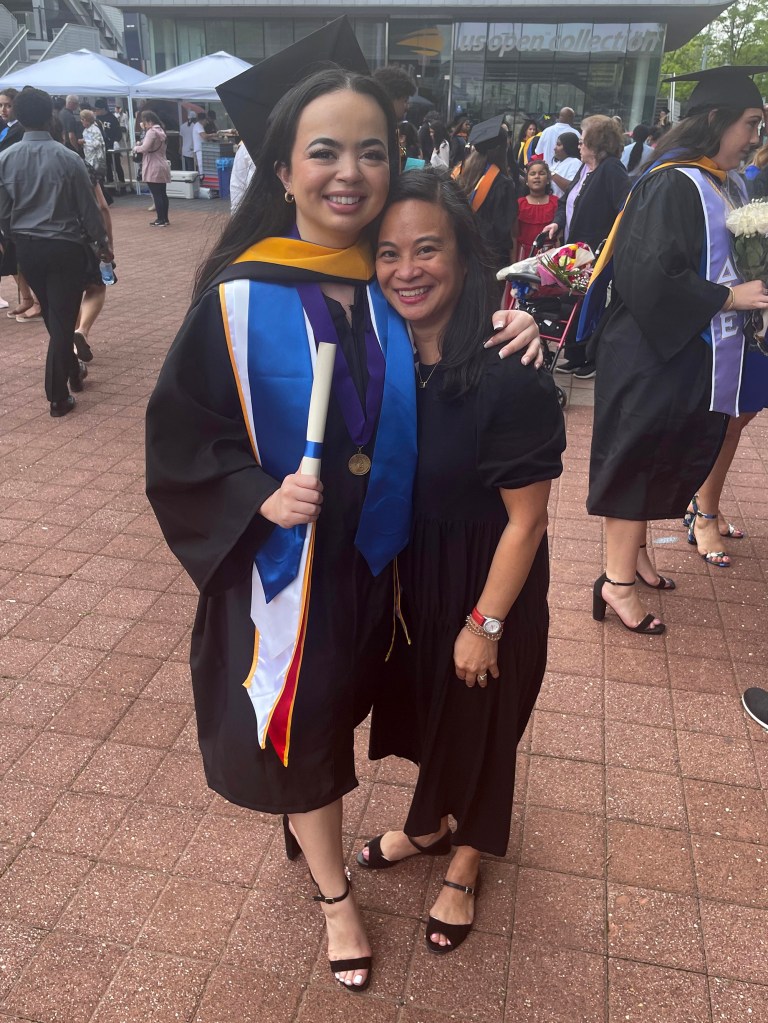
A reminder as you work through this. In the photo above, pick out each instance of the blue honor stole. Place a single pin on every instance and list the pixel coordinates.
(275, 390)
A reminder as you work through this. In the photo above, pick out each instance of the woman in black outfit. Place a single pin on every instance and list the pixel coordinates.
(588, 209)
(495, 207)
(475, 573)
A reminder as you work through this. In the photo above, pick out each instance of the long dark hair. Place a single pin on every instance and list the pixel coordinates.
(411, 136)
(461, 346)
(697, 135)
(262, 213)
(526, 125)
(440, 133)
(477, 161)
(639, 134)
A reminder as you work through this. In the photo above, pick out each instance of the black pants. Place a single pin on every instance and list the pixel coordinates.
(575, 354)
(115, 167)
(54, 270)
(188, 163)
(161, 199)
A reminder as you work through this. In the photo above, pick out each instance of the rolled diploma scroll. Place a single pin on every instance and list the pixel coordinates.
(318, 408)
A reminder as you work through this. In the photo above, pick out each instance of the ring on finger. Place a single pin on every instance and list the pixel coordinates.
(482, 678)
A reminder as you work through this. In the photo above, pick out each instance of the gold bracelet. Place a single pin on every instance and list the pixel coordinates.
(471, 626)
(730, 301)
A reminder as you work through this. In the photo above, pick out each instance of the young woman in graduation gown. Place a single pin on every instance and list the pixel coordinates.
(491, 191)
(297, 588)
(475, 574)
(661, 400)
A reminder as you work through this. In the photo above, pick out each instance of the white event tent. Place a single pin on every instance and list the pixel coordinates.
(194, 81)
(82, 72)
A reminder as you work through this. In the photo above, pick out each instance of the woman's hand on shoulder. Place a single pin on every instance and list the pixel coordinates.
(297, 501)
(752, 295)
(517, 330)
(474, 656)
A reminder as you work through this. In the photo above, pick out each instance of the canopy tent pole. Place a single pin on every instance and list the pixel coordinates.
(132, 136)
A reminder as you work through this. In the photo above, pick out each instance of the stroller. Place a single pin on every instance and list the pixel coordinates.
(552, 291)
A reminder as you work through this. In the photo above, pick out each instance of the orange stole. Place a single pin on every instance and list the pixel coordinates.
(484, 187)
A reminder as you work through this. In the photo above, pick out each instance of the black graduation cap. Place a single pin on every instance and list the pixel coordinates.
(251, 96)
(486, 134)
(724, 86)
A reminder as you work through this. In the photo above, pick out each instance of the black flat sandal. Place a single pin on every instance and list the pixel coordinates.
(343, 965)
(455, 933)
(378, 861)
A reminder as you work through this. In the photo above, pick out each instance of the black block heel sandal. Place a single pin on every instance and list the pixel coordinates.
(292, 847)
(599, 604)
(344, 965)
(455, 933)
(377, 861)
(663, 584)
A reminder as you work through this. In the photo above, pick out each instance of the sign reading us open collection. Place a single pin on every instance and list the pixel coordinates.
(498, 40)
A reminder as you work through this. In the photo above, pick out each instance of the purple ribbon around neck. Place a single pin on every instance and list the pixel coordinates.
(360, 422)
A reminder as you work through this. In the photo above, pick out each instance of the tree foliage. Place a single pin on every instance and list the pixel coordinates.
(738, 36)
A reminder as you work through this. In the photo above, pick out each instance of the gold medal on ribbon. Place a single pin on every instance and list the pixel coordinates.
(359, 464)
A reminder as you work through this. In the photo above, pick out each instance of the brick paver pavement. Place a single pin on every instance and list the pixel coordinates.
(635, 884)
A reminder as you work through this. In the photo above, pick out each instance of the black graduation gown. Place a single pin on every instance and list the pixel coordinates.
(497, 220)
(206, 488)
(654, 439)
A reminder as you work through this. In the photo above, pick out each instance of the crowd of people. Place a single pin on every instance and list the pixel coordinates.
(42, 218)
(408, 581)
(432, 507)
(56, 227)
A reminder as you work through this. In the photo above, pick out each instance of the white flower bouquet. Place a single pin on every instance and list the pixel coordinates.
(749, 227)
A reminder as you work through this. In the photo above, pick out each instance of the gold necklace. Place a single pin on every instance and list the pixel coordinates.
(422, 382)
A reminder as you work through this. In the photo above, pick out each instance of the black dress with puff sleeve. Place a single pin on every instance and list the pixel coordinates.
(506, 433)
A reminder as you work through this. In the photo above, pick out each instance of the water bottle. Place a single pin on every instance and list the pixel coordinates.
(107, 273)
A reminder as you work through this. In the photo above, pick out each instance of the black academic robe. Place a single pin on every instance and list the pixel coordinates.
(206, 489)
(654, 439)
(497, 220)
(14, 134)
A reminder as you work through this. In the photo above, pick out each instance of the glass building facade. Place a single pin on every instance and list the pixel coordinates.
(477, 67)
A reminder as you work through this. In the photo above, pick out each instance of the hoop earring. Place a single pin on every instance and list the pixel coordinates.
(289, 198)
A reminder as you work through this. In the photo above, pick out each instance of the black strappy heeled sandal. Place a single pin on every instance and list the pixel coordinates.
(378, 861)
(599, 604)
(455, 933)
(663, 584)
(292, 847)
(344, 965)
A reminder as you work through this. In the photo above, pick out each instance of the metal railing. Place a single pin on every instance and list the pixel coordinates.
(70, 38)
(15, 51)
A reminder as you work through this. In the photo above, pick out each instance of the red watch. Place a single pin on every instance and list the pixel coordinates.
(492, 627)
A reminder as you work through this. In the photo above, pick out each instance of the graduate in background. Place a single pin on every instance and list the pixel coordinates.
(491, 192)
(297, 585)
(671, 343)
